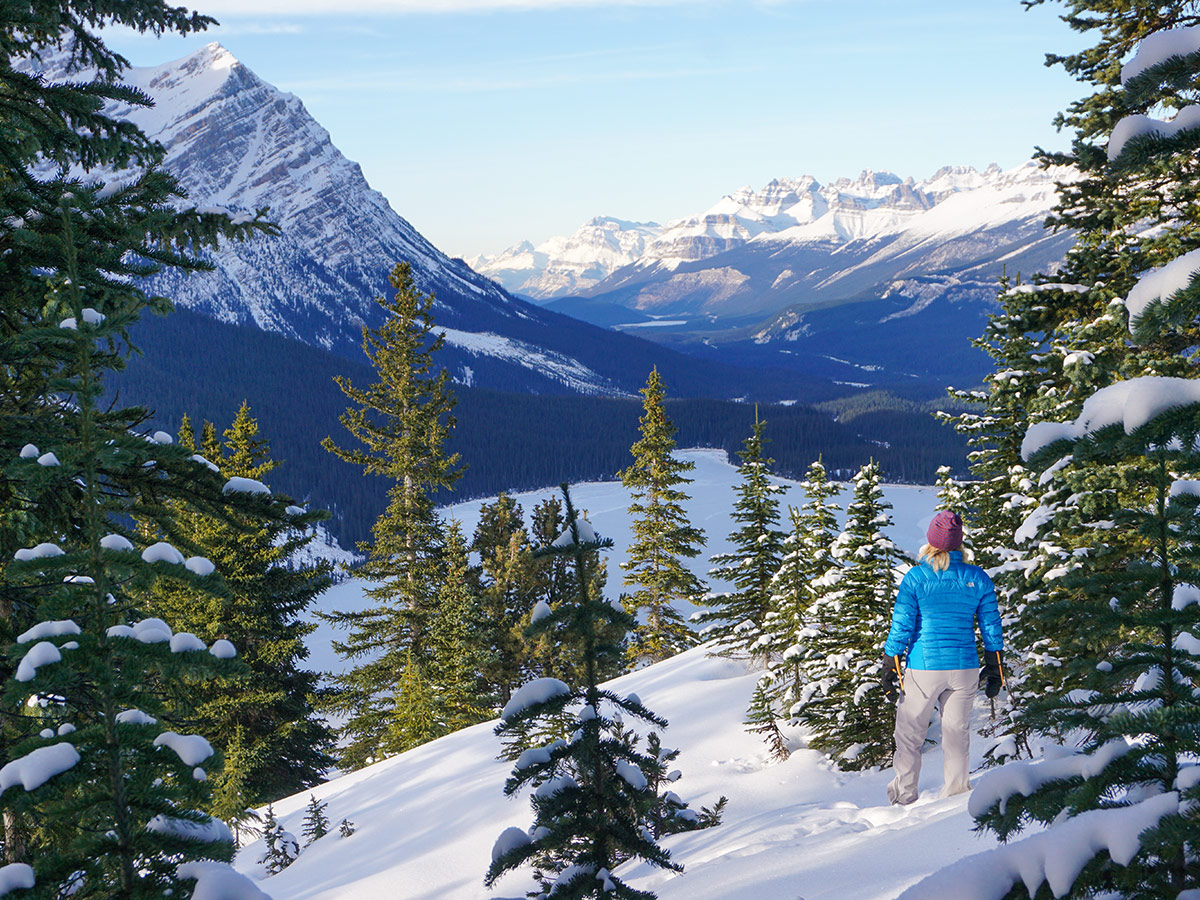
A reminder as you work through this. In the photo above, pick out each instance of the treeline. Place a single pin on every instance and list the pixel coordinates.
(192, 365)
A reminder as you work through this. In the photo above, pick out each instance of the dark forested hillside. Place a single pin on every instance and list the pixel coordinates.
(204, 368)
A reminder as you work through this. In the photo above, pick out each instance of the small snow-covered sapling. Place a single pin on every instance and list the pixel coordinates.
(316, 823)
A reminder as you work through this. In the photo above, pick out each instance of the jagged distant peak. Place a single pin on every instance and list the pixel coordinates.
(775, 192)
(961, 170)
(869, 178)
(613, 222)
(212, 57)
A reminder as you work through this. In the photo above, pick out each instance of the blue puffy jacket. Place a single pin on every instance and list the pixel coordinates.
(933, 621)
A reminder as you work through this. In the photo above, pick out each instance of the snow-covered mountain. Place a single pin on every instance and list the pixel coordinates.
(568, 265)
(238, 143)
(756, 252)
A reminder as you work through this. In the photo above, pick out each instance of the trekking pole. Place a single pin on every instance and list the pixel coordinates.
(899, 677)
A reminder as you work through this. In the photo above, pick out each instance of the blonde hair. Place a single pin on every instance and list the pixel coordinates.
(939, 560)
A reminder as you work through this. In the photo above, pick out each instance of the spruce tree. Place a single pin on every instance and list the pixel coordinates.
(506, 585)
(841, 702)
(663, 811)
(414, 719)
(807, 560)
(231, 800)
(118, 812)
(460, 655)
(763, 720)
(1120, 513)
(734, 618)
(402, 421)
(556, 652)
(284, 746)
(662, 537)
(316, 822)
(74, 248)
(280, 847)
(1038, 342)
(591, 792)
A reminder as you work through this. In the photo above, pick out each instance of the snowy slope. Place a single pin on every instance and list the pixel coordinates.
(426, 820)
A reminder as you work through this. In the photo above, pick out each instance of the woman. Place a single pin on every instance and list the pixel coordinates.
(933, 625)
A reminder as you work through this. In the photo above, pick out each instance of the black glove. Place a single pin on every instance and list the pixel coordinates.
(993, 673)
(891, 678)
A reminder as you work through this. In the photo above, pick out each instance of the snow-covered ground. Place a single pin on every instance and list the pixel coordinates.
(796, 830)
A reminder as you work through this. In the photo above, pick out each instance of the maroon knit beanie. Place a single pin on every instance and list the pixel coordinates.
(945, 531)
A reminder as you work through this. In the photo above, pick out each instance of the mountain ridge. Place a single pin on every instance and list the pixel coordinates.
(894, 227)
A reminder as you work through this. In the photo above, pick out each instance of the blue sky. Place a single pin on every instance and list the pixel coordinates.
(486, 122)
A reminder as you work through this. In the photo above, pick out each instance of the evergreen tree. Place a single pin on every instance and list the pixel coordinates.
(119, 815)
(556, 652)
(284, 746)
(231, 801)
(662, 809)
(734, 619)
(415, 717)
(762, 719)
(459, 654)
(801, 579)
(842, 702)
(507, 591)
(553, 583)
(589, 792)
(316, 823)
(55, 136)
(281, 848)
(345, 828)
(662, 534)
(1115, 530)
(402, 421)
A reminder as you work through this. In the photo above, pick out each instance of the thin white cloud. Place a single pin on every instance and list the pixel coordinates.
(241, 28)
(215, 32)
(292, 8)
(427, 82)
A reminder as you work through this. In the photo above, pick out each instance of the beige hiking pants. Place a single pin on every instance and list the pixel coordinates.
(952, 691)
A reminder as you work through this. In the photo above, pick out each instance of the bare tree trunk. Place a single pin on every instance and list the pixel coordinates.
(15, 847)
